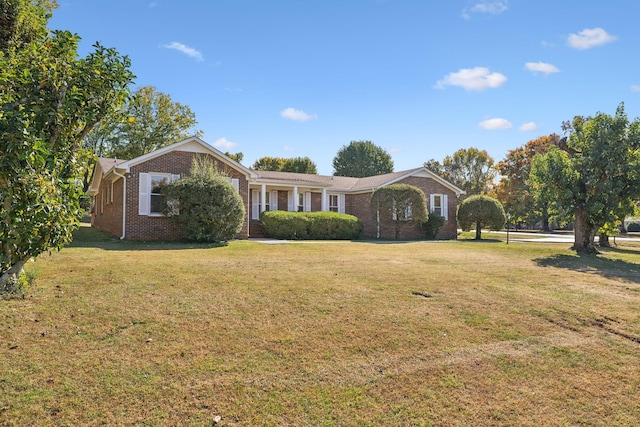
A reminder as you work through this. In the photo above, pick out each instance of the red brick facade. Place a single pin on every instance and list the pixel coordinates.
(155, 227)
(113, 194)
(360, 205)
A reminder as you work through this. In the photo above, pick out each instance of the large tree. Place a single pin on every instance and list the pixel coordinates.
(360, 159)
(150, 120)
(513, 188)
(470, 169)
(50, 100)
(594, 172)
(281, 164)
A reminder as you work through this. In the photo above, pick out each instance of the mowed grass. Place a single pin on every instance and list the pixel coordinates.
(323, 334)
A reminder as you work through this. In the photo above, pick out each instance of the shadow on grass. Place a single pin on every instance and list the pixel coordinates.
(90, 237)
(605, 267)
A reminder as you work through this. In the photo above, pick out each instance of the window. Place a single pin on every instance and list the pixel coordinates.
(438, 204)
(157, 199)
(150, 198)
(256, 202)
(405, 215)
(300, 202)
(333, 203)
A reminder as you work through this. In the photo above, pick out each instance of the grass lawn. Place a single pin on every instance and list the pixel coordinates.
(324, 334)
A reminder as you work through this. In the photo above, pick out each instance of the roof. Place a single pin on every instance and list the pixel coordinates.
(345, 183)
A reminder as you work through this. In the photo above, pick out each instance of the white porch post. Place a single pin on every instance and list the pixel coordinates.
(263, 197)
(324, 200)
(295, 199)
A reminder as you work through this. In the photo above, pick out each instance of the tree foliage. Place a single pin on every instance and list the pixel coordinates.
(513, 189)
(150, 120)
(481, 211)
(594, 173)
(401, 203)
(205, 204)
(299, 165)
(468, 168)
(50, 100)
(361, 159)
(281, 164)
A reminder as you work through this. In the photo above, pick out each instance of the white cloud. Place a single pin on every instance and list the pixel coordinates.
(635, 88)
(590, 37)
(225, 143)
(296, 115)
(395, 150)
(487, 7)
(189, 51)
(287, 148)
(495, 124)
(478, 78)
(528, 127)
(541, 67)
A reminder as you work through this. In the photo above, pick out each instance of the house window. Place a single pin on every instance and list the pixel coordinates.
(333, 203)
(300, 202)
(438, 204)
(151, 201)
(403, 215)
(157, 199)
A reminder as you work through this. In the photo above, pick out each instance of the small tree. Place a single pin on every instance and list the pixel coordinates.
(205, 204)
(401, 203)
(481, 211)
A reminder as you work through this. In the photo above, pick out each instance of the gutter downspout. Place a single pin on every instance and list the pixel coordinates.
(124, 201)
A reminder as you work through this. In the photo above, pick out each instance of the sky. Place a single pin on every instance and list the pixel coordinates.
(419, 78)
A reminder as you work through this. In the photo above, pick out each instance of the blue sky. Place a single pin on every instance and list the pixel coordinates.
(420, 78)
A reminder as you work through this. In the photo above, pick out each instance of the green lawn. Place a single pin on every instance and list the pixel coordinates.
(332, 334)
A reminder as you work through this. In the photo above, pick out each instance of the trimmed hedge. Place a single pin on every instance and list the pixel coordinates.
(310, 225)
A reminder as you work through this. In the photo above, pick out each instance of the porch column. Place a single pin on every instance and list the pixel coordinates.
(295, 198)
(324, 200)
(263, 197)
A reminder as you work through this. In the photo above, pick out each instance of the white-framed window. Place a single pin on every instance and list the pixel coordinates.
(256, 202)
(303, 204)
(405, 215)
(151, 201)
(438, 204)
(333, 203)
(336, 202)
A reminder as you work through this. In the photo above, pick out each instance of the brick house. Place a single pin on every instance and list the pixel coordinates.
(127, 201)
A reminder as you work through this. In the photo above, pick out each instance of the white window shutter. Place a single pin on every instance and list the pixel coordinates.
(236, 184)
(291, 205)
(307, 201)
(445, 206)
(273, 201)
(143, 194)
(431, 202)
(255, 205)
(341, 203)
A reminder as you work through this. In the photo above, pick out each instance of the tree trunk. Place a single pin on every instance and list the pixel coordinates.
(584, 233)
(603, 240)
(545, 220)
(11, 274)
(478, 231)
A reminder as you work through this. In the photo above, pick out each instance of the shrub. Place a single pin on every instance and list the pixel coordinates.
(205, 204)
(310, 225)
(633, 227)
(432, 226)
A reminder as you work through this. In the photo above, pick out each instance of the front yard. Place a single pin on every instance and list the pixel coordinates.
(336, 334)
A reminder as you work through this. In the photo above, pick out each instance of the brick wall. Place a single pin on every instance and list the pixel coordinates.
(360, 206)
(107, 210)
(143, 227)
